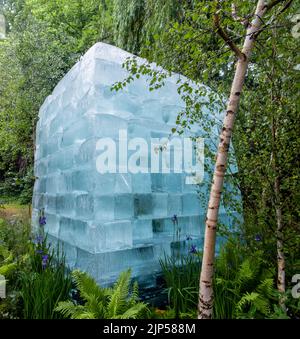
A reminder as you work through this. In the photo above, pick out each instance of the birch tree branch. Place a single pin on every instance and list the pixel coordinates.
(273, 3)
(236, 17)
(288, 4)
(224, 35)
(234, 13)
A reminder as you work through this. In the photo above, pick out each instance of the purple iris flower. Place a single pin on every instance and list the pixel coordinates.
(258, 237)
(42, 221)
(38, 240)
(193, 249)
(39, 251)
(175, 219)
(45, 261)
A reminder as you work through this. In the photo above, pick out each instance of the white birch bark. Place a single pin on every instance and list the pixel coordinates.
(205, 305)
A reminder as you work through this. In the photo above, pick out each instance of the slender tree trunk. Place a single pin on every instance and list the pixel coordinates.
(277, 199)
(279, 236)
(279, 221)
(205, 305)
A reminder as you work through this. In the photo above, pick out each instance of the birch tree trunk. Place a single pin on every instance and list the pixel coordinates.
(205, 304)
(279, 228)
(279, 234)
(278, 207)
(280, 252)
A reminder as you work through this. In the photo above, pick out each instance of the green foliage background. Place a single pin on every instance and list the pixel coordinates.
(45, 38)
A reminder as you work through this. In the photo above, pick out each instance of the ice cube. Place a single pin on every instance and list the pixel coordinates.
(85, 206)
(160, 204)
(124, 207)
(111, 220)
(104, 207)
(142, 230)
(190, 204)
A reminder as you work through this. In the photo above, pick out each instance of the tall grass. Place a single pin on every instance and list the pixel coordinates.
(182, 280)
(44, 283)
(225, 284)
(15, 234)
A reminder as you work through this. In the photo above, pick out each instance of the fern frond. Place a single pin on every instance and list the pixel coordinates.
(96, 306)
(252, 302)
(69, 310)
(87, 286)
(266, 288)
(262, 305)
(86, 315)
(133, 312)
(7, 269)
(245, 272)
(4, 252)
(134, 294)
(104, 303)
(119, 297)
(248, 298)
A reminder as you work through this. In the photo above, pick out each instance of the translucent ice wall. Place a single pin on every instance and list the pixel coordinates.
(109, 222)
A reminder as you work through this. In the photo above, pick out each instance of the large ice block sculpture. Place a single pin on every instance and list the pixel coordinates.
(109, 222)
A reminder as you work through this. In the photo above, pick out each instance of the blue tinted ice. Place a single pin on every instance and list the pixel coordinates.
(109, 222)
